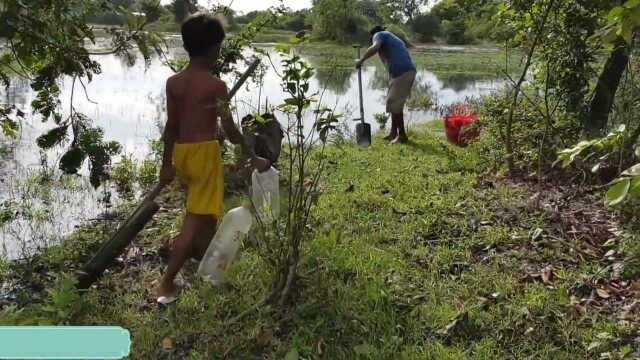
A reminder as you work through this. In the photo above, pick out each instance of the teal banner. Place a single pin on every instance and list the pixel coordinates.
(64, 342)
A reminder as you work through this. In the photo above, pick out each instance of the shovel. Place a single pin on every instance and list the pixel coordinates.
(136, 221)
(363, 130)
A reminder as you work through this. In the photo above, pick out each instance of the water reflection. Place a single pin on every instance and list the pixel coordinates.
(334, 79)
(460, 81)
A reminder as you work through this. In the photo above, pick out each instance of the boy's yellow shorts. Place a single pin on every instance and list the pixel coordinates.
(199, 166)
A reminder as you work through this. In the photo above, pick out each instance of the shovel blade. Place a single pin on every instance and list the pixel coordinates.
(363, 134)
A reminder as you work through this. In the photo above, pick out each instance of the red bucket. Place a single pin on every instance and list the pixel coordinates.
(458, 118)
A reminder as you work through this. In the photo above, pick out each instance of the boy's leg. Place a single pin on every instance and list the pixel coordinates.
(181, 250)
(203, 239)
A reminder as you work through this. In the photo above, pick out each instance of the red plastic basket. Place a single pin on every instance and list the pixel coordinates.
(459, 116)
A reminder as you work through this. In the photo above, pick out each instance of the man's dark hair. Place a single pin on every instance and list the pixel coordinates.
(376, 29)
(201, 33)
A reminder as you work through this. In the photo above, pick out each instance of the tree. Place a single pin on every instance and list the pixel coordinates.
(182, 8)
(623, 23)
(448, 10)
(46, 42)
(427, 26)
(454, 23)
(404, 9)
(339, 20)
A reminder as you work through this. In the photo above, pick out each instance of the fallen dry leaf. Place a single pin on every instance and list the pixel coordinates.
(457, 325)
(320, 346)
(603, 293)
(630, 312)
(167, 344)
(265, 336)
(547, 275)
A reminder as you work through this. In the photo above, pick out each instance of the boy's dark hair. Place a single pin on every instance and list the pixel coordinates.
(201, 33)
(376, 29)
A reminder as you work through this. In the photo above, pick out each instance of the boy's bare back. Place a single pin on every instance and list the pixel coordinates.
(194, 101)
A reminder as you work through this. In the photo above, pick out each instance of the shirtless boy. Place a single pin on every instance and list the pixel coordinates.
(195, 100)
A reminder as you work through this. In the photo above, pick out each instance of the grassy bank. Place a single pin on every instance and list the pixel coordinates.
(271, 36)
(441, 60)
(415, 257)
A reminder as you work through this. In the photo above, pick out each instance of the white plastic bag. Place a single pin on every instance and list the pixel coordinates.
(224, 247)
(265, 194)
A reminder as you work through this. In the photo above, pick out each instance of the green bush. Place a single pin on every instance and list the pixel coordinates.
(455, 32)
(528, 131)
(148, 174)
(426, 26)
(124, 174)
(339, 21)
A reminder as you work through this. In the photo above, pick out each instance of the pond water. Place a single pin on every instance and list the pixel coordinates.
(128, 102)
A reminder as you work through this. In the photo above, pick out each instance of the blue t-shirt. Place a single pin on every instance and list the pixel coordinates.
(394, 54)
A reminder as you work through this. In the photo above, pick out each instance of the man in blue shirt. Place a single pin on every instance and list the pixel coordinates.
(402, 73)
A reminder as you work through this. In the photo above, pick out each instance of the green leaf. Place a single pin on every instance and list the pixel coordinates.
(53, 137)
(638, 152)
(615, 13)
(292, 355)
(631, 4)
(72, 160)
(633, 171)
(618, 192)
(635, 187)
(283, 48)
(291, 87)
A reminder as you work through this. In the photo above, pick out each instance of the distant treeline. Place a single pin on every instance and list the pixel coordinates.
(450, 21)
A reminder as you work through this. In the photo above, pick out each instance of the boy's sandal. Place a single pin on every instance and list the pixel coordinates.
(166, 300)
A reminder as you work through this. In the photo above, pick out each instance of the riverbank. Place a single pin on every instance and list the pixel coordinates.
(442, 60)
(416, 255)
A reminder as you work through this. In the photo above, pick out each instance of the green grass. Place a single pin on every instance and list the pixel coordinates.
(416, 244)
(274, 36)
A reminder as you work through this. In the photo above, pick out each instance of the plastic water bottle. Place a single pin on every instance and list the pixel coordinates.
(265, 194)
(223, 249)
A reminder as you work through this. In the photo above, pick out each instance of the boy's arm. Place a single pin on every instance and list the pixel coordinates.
(167, 173)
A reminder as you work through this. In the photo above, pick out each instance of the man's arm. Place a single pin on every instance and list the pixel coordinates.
(167, 173)
(374, 49)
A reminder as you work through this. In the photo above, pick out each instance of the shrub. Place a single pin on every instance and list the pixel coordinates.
(124, 175)
(527, 134)
(455, 32)
(426, 26)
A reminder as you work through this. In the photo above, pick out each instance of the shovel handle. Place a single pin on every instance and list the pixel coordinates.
(360, 88)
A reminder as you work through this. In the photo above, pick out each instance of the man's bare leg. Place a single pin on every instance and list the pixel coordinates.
(394, 130)
(402, 137)
(181, 250)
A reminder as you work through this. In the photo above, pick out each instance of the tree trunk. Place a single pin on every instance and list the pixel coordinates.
(605, 92)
